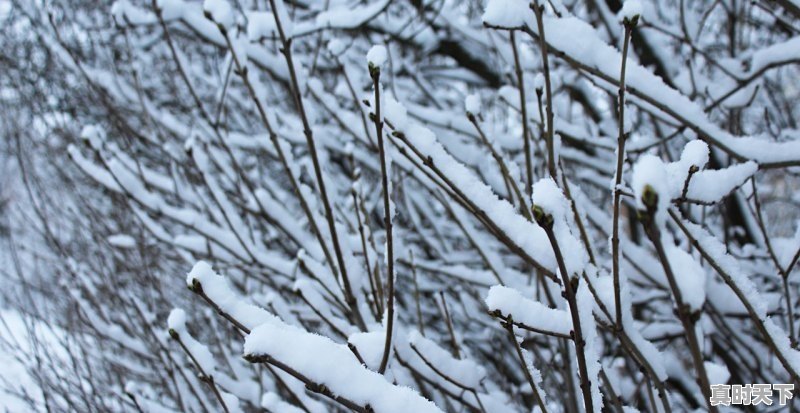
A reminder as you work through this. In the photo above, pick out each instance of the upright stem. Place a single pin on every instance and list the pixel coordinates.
(510, 328)
(546, 222)
(684, 312)
(375, 73)
(538, 10)
(526, 137)
(286, 45)
(618, 178)
(416, 292)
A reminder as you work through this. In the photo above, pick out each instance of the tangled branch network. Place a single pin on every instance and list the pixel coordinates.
(401, 206)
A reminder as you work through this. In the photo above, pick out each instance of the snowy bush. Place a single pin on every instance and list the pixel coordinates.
(391, 206)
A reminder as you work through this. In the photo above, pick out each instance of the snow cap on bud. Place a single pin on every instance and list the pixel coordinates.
(695, 153)
(507, 13)
(631, 12)
(94, 135)
(176, 322)
(549, 203)
(219, 11)
(473, 104)
(538, 82)
(200, 271)
(376, 57)
(651, 185)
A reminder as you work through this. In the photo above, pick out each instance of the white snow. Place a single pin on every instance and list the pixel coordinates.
(219, 291)
(548, 196)
(713, 185)
(689, 276)
(377, 54)
(395, 112)
(531, 313)
(593, 52)
(472, 104)
(171, 9)
(630, 9)
(261, 25)
(370, 346)
(283, 16)
(508, 13)
(336, 46)
(122, 241)
(585, 303)
(220, 12)
(273, 403)
(650, 172)
(326, 362)
(717, 373)
(463, 371)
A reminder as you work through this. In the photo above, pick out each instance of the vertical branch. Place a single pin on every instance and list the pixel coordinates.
(450, 329)
(375, 74)
(687, 318)
(538, 10)
(570, 286)
(286, 48)
(526, 137)
(416, 292)
(629, 25)
(509, 325)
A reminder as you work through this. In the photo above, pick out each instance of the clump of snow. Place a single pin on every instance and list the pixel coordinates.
(219, 11)
(370, 346)
(325, 362)
(395, 112)
(261, 25)
(507, 13)
(712, 186)
(177, 320)
(717, 373)
(538, 81)
(376, 56)
(548, 196)
(94, 135)
(336, 46)
(630, 9)
(509, 301)
(689, 276)
(695, 153)
(218, 290)
(463, 371)
(171, 9)
(122, 241)
(473, 104)
(650, 178)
